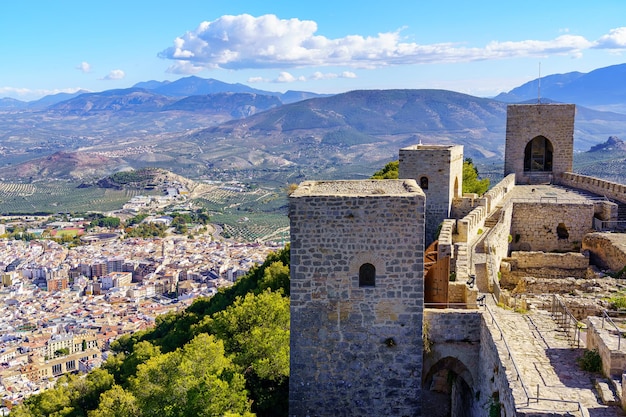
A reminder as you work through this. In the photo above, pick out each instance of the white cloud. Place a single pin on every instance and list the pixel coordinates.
(285, 77)
(615, 39)
(84, 67)
(115, 75)
(317, 75)
(245, 41)
(253, 80)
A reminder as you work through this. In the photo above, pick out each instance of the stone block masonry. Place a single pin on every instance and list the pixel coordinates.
(550, 227)
(356, 298)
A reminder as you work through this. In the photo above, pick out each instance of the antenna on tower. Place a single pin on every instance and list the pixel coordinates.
(539, 85)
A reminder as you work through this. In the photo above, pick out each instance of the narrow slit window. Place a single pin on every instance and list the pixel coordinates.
(367, 275)
(424, 183)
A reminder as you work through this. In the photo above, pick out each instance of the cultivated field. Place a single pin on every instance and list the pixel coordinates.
(244, 214)
(60, 197)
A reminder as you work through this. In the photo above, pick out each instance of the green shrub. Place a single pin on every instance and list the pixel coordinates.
(590, 361)
(618, 302)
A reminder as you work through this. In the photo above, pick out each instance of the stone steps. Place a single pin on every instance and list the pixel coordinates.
(494, 218)
(605, 391)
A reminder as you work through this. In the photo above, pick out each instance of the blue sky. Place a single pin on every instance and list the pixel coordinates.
(480, 47)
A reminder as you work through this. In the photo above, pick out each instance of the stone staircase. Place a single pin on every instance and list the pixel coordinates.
(494, 218)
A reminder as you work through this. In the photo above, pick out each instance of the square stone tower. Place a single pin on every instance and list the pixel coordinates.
(539, 142)
(438, 170)
(356, 298)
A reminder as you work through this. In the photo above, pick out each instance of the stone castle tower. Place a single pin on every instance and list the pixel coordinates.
(539, 142)
(356, 298)
(438, 170)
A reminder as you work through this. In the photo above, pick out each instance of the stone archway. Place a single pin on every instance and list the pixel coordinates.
(538, 155)
(447, 389)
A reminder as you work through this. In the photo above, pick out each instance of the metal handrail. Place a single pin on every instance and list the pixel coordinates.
(619, 331)
(469, 306)
(566, 316)
(519, 375)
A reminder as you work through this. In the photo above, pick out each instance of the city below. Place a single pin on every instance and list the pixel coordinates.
(63, 306)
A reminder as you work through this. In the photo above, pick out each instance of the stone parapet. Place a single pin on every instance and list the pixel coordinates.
(498, 193)
(496, 247)
(609, 189)
(470, 226)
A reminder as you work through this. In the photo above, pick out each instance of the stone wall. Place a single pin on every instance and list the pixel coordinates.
(606, 250)
(603, 337)
(354, 347)
(612, 190)
(460, 293)
(462, 206)
(550, 227)
(496, 248)
(525, 122)
(548, 265)
(495, 370)
(438, 170)
(445, 246)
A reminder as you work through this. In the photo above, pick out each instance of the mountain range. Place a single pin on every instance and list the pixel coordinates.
(603, 89)
(204, 128)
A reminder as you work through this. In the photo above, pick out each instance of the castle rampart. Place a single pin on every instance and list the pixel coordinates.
(597, 186)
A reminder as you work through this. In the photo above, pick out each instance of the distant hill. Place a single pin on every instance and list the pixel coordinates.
(11, 103)
(603, 88)
(53, 99)
(130, 99)
(613, 143)
(238, 105)
(196, 86)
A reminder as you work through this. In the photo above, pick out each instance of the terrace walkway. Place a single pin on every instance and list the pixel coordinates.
(546, 360)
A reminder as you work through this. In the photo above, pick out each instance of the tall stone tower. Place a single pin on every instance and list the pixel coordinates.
(356, 298)
(539, 142)
(438, 170)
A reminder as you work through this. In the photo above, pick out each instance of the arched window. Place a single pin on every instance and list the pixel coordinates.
(367, 275)
(424, 183)
(538, 155)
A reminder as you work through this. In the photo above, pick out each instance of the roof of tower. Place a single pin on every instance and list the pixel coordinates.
(358, 188)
